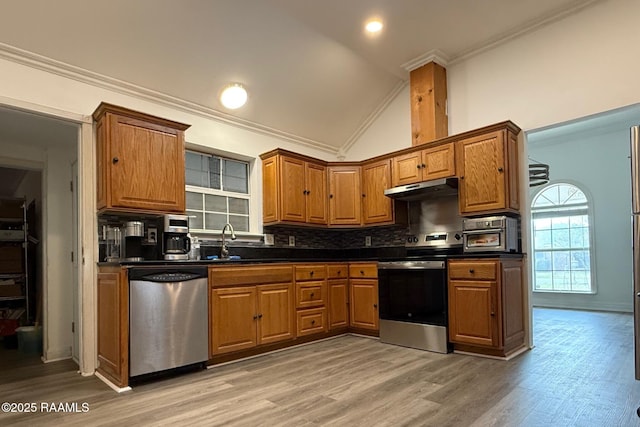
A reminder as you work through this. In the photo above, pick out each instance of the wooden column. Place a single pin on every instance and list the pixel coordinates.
(428, 87)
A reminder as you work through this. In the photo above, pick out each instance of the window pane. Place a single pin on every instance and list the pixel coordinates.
(580, 260)
(240, 223)
(215, 221)
(562, 280)
(577, 237)
(560, 222)
(196, 169)
(580, 281)
(215, 203)
(542, 223)
(560, 239)
(579, 221)
(561, 261)
(195, 220)
(214, 172)
(194, 200)
(542, 239)
(543, 280)
(235, 176)
(238, 206)
(543, 261)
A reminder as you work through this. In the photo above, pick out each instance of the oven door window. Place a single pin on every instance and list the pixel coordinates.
(483, 240)
(417, 296)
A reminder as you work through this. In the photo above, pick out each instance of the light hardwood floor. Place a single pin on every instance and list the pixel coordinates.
(579, 374)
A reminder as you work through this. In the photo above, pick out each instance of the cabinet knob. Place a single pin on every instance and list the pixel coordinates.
(424, 166)
(331, 196)
(462, 177)
(362, 272)
(115, 160)
(260, 316)
(493, 313)
(313, 322)
(255, 317)
(375, 305)
(311, 273)
(364, 195)
(471, 270)
(418, 166)
(500, 169)
(312, 294)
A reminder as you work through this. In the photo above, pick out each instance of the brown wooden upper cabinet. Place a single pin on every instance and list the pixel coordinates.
(294, 189)
(345, 195)
(376, 207)
(423, 165)
(488, 172)
(140, 161)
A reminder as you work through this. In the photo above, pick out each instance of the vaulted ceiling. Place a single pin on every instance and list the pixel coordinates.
(311, 72)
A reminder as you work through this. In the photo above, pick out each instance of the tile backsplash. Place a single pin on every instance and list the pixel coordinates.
(316, 238)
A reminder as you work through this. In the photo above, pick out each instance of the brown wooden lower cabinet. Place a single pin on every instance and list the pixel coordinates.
(486, 313)
(312, 321)
(245, 316)
(363, 296)
(113, 325)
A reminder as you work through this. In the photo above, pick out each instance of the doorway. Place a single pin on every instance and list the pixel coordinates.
(47, 146)
(592, 153)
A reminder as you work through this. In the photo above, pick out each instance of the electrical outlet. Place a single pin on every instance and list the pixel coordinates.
(269, 240)
(367, 241)
(292, 240)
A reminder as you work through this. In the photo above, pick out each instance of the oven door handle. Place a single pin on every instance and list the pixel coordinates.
(484, 231)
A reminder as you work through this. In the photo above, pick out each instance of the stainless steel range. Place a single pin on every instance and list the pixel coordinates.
(413, 290)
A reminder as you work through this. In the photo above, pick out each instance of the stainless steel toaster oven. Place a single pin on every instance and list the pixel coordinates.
(490, 234)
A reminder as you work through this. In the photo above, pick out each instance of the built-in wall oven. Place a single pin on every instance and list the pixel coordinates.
(413, 304)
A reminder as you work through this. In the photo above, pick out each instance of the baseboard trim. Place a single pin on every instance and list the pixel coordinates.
(110, 384)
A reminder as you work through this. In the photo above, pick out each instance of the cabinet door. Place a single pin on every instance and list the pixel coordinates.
(512, 293)
(364, 303)
(344, 195)
(270, 191)
(482, 175)
(316, 188)
(146, 162)
(276, 321)
(473, 312)
(407, 169)
(376, 207)
(233, 319)
(338, 308)
(438, 162)
(113, 325)
(292, 191)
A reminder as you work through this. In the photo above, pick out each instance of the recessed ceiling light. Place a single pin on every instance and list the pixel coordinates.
(373, 26)
(233, 96)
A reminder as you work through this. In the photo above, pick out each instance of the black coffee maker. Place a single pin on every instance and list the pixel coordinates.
(176, 243)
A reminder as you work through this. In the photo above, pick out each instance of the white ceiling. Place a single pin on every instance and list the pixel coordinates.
(311, 72)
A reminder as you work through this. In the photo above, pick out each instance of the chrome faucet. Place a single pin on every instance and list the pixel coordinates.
(224, 252)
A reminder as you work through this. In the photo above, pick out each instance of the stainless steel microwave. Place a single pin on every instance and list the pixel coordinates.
(490, 234)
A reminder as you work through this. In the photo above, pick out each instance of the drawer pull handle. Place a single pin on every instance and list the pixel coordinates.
(313, 322)
(362, 272)
(311, 273)
(312, 294)
(471, 270)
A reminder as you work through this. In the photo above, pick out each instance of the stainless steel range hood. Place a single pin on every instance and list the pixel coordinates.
(425, 189)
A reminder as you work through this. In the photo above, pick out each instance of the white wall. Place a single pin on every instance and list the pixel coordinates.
(597, 160)
(582, 65)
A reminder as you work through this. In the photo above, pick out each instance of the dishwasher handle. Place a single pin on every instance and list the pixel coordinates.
(168, 274)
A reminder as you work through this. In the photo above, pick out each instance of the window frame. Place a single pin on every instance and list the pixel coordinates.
(253, 219)
(548, 212)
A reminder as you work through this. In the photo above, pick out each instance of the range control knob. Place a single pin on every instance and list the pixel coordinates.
(412, 239)
(457, 236)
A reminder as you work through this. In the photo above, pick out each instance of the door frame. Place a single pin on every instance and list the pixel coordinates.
(86, 227)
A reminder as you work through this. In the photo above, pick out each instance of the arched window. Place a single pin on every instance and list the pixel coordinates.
(562, 248)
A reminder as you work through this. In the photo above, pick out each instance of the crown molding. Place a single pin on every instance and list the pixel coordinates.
(436, 55)
(82, 75)
(341, 153)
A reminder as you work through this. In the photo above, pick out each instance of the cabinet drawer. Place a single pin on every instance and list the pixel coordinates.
(363, 270)
(337, 271)
(311, 272)
(312, 321)
(485, 270)
(249, 275)
(310, 294)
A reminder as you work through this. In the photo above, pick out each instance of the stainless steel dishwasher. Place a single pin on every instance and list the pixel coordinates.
(168, 318)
